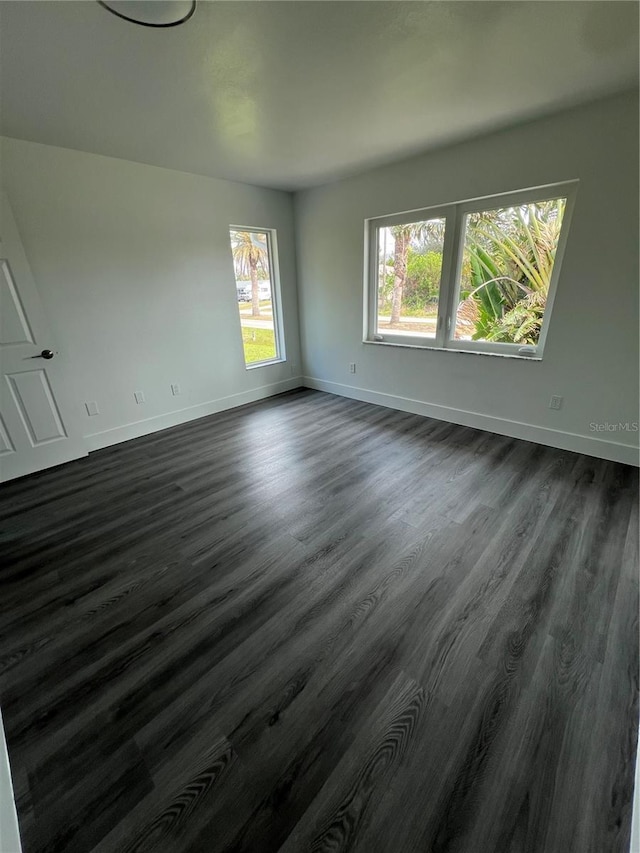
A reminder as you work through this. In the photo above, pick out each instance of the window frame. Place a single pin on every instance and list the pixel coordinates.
(276, 301)
(450, 278)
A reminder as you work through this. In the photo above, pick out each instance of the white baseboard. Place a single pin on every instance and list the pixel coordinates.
(589, 445)
(107, 437)
(515, 429)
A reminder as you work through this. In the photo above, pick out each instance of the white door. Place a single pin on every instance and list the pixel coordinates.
(35, 428)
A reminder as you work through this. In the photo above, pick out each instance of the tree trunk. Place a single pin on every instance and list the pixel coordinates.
(402, 238)
(255, 287)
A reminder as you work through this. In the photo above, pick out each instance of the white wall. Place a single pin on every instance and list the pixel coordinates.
(134, 267)
(591, 354)
(9, 834)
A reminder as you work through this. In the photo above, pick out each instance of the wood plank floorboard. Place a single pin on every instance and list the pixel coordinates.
(314, 624)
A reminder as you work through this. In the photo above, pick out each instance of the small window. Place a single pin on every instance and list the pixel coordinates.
(469, 276)
(257, 294)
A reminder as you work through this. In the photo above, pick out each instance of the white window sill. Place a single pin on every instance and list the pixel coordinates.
(457, 351)
(264, 363)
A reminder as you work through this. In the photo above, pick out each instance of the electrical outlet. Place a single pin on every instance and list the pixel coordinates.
(555, 402)
(139, 395)
(352, 367)
(175, 389)
(92, 408)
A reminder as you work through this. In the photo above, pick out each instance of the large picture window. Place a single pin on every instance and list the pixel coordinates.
(257, 293)
(478, 275)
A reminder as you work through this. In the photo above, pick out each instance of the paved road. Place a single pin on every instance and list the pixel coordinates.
(426, 321)
(256, 323)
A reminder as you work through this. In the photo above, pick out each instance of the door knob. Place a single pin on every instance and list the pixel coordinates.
(46, 353)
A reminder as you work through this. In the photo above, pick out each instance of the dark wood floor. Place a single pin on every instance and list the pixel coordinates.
(313, 624)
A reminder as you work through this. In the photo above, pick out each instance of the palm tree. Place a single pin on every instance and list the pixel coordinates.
(403, 236)
(525, 238)
(250, 255)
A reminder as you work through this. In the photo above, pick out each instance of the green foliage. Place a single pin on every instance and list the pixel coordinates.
(520, 324)
(422, 282)
(486, 291)
(423, 278)
(523, 240)
(509, 256)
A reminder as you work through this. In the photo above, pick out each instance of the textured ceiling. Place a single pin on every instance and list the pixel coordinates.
(291, 94)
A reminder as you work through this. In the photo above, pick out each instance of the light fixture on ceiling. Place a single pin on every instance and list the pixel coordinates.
(151, 13)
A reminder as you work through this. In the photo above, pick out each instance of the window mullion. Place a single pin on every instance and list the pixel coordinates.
(450, 256)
